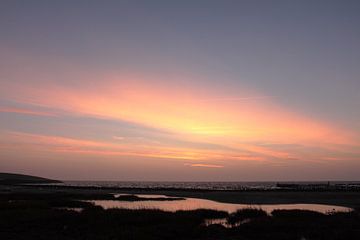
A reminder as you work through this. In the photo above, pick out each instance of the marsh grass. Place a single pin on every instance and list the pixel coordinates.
(39, 218)
(245, 214)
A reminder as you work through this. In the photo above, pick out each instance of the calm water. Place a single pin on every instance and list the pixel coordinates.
(196, 203)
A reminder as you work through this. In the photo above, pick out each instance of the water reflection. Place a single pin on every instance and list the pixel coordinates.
(196, 203)
(70, 209)
(116, 195)
(224, 222)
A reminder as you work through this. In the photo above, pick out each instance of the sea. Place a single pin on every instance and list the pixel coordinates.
(206, 185)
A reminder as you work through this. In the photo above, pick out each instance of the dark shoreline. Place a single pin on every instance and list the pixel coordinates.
(49, 212)
(274, 196)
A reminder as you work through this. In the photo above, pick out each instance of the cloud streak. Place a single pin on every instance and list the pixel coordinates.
(232, 99)
(130, 116)
(201, 165)
(27, 112)
(179, 111)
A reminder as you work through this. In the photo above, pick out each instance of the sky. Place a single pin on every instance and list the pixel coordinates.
(180, 90)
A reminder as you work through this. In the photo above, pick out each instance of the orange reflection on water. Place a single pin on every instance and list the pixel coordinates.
(196, 203)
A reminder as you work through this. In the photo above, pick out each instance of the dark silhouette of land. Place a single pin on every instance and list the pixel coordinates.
(31, 211)
(12, 179)
(46, 218)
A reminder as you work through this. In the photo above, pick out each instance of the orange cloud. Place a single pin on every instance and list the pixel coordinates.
(183, 111)
(203, 165)
(57, 144)
(190, 114)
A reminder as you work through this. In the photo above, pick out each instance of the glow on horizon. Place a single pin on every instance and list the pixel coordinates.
(245, 129)
(184, 111)
(237, 123)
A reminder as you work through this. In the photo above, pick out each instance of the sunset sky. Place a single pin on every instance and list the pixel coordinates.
(180, 90)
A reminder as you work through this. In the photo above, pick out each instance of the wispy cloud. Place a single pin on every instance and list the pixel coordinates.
(177, 111)
(57, 144)
(146, 121)
(28, 112)
(71, 145)
(203, 165)
(118, 138)
(234, 99)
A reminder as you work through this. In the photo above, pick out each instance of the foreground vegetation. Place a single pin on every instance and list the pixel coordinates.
(41, 216)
